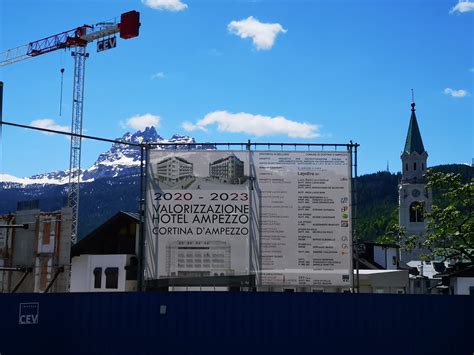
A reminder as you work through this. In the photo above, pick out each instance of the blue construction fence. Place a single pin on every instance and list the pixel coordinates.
(235, 323)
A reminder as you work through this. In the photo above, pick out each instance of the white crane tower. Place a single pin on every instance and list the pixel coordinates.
(77, 39)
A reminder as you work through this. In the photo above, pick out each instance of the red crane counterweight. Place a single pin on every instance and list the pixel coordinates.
(129, 24)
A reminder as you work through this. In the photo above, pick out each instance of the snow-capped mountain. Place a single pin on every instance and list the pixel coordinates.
(119, 160)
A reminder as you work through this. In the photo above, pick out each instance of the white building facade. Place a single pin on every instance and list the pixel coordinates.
(101, 273)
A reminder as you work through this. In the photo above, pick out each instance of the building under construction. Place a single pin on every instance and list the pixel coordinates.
(35, 250)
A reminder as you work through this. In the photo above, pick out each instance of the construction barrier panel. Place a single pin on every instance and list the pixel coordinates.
(235, 323)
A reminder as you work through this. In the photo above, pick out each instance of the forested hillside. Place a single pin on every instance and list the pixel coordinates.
(378, 199)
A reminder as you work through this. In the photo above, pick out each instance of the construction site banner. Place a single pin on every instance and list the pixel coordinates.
(303, 205)
(197, 214)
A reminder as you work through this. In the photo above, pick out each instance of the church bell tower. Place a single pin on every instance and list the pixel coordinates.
(414, 200)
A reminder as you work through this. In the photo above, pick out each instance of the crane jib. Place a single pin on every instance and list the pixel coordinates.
(78, 38)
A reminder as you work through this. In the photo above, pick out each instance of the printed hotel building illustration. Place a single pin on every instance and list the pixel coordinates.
(229, 170)
(174, 169)
(198, 258)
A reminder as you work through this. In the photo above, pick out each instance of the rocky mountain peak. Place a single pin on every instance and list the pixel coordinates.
(119, 160)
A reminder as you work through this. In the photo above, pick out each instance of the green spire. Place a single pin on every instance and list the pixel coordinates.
(414, 143)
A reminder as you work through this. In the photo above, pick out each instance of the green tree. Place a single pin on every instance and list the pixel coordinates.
(450, 227)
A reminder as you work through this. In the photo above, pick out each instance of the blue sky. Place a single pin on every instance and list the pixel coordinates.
(270, 71)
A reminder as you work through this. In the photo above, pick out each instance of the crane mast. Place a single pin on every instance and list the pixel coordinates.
(80, 56)
(77, 39)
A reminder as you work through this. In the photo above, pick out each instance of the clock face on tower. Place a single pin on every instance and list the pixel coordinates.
(415, 193)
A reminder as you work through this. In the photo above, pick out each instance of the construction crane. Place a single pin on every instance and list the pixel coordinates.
(77, 39)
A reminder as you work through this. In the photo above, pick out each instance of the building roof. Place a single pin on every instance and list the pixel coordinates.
(115, 236)
(414, 143)
(467, 271)
(428, 269)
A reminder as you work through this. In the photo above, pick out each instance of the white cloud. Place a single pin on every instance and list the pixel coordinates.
(159, 75)
(471, 70)
(188, 126)
(456, 93)
(263, 34)
(140, 122)
(257, 125)
(463, 6)
(49, 123)
(167, 5)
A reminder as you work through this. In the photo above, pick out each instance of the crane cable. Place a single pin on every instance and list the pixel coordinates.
(61, 95)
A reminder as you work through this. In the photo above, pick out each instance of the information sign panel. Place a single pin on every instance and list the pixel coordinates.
(305, 217)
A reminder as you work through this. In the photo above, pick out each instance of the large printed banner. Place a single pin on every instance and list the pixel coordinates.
(197, 214)
(304, 212)
(283, 216)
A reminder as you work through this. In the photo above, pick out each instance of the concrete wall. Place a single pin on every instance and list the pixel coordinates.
(45, 247)
(64, 251)
(24, 242)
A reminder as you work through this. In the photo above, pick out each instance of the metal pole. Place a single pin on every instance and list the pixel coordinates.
(51, 283)
(17, 286)
(141, 240)
(1, 109)
(251, 234)
(14, 226)
(1, 106)
(354, 214)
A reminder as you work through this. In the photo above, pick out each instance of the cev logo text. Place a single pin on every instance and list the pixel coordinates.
(29, 313)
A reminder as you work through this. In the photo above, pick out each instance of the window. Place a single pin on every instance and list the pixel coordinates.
(414, 166)
(111, 277)
(422, 166)
(416, 211)
(98, 277)
(406, 166)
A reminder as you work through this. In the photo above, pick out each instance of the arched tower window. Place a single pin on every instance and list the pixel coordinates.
(414, 166)
(416, 211)
(406, 166)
